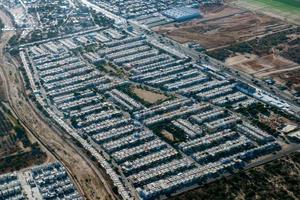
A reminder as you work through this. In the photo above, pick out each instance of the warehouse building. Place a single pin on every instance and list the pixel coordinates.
(182, 13)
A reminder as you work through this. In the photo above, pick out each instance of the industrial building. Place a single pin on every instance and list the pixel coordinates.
(182, 13)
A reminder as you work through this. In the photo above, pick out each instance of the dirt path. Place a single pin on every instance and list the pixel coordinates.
(279, 71)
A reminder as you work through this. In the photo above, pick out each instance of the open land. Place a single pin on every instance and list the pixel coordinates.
(223, 26)
(256, 43)
(263, 67)
(266, 60)
(17, 149)
(149, 96)
(288, 10)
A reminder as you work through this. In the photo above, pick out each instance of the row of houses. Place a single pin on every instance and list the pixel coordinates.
(141, 9)
(116, 128)
(124, 100)
(10, 187)
(53, 182)
(48, 181)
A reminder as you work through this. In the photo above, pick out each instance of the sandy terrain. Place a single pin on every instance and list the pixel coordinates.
(261, 66)
(281, 70)
(241, 58)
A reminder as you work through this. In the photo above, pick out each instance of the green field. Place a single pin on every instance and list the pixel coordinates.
(286, 9)
(284, 5)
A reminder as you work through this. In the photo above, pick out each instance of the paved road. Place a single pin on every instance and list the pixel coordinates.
(225, 69)
(110, 15)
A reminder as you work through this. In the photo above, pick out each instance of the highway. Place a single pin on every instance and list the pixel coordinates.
(110, 15)
(225, 69)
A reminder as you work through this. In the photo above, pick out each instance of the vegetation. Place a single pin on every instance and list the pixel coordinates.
(178, 134)
(275, 181)
(22, 159)
(128, 89)
(1, 27)
(253, 111)
(22, 152)
(259, 46)
(5, 125)
(290, 6)
(21, 135)
(293, 54)
(102, 20)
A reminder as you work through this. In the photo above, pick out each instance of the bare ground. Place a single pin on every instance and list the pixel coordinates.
(149, 96)
(260, 66)
(281, 70)
(222, 27)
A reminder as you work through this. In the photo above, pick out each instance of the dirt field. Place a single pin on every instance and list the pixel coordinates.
(169, 136)
(149, 96)
(223, 26)
(281, 70)
(261, 66)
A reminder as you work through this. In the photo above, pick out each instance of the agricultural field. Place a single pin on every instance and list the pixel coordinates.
(288, 10)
